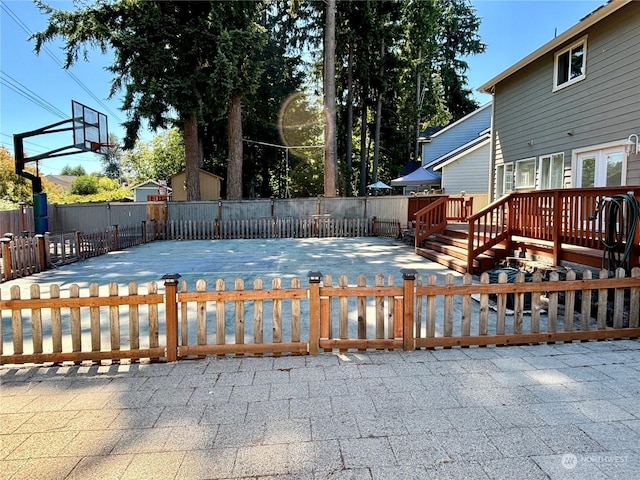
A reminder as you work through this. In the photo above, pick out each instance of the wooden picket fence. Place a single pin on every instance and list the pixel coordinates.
(107, 324)
(22, 256)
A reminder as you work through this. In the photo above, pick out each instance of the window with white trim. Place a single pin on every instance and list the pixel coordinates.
(551, 171)
(504, 179)
(601, 168)
(570, 65)
(526, 173)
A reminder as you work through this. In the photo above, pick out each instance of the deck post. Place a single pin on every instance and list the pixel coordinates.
(171, 315)
(557, 222)
(314, 312)
(42, 258)
(409, 278)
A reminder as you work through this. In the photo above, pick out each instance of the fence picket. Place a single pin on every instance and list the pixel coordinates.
(518, 309)
(431, 308)
(552, 311)
(56, 320)
(343, 310)
(239, 304)
(618, 301)
(536, 303)
(276, 304)
(418, 310)
(501, 305)
(184, 317)
(602, 303)
(483, 321)
(134, 319)
(258, 315)
(36, 320)
(94, 319)
(585, 311)
(326, 320)
(295, 312)
(76, 327)
(634, 301)
(201, 315)
(569, 303)
(153, 318)
(220, 314)
(379, 307)
(114, 318)
(362, 309)
(16, 322)
(448, 308)
(467, 279)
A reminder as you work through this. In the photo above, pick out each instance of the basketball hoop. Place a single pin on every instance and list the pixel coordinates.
(98, 146)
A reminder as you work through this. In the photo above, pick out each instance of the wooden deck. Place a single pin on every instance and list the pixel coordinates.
(554, 226)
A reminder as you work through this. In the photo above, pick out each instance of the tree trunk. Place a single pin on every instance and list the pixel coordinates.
(330, 100)
(349, 139)
(363, 146)
(376, 138)
(234, 168)
(192, 157)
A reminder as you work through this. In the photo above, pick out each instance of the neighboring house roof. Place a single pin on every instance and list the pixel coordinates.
(458, 133)
(430, 131)
(63, 181)
(438, 163)
(464, 119)
(199, 170)
(420, 176)
(150, 184)
(586, 22)
(462, 151)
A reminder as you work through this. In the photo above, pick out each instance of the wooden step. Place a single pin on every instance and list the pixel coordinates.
(481, 263)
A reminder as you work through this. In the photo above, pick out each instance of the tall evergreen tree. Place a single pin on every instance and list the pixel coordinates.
(176, 61)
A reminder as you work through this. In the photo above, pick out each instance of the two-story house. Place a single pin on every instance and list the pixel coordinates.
(568, 114)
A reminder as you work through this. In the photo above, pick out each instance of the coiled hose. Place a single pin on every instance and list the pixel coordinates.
(621, 215)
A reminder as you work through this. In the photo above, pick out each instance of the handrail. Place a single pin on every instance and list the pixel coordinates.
(487, 228)
(431, 219)
(557, 216)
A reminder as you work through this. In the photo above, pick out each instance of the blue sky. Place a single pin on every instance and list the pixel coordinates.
(511, 29)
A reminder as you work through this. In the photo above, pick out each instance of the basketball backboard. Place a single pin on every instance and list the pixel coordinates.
(90, 131)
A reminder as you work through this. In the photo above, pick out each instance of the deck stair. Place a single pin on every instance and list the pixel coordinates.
(450, 250)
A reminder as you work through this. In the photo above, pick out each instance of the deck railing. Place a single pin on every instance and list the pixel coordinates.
(431, 219)
(105, 323)
(555, 216)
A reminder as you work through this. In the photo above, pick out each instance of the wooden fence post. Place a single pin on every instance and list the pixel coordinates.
(6, 257)
(314, 312)
(144, 231)
(409, 278)
(42, 251)
(116, 238)
(171, 315)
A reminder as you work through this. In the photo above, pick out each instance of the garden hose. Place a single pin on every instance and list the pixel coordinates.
(621, 215)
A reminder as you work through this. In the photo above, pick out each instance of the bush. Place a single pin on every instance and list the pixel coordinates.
(85, 185)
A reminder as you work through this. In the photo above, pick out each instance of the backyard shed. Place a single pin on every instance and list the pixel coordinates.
(210, 186)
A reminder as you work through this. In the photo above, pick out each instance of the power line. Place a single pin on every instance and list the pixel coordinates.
(26, 29)
(19, 88)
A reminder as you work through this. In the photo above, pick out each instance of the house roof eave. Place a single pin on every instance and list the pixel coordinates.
(586, 22)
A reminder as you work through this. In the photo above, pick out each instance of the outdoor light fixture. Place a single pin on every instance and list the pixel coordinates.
(630, 146)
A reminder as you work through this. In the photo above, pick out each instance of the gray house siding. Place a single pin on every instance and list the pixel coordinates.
(459, 133)
(468, 173)
(531, 120)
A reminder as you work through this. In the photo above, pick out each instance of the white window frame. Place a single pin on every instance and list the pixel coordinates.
(600, 151)
(518, 166)
(504, 179)
(551, 160)
(569, 49)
